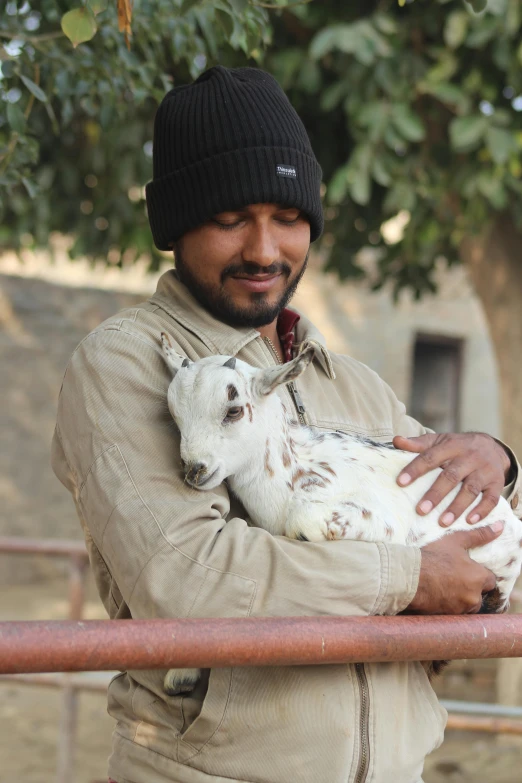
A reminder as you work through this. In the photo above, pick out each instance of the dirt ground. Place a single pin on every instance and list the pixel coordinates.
(29, 716)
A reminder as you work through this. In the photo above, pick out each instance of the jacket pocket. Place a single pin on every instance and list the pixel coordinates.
(179, 727)
(201, 727)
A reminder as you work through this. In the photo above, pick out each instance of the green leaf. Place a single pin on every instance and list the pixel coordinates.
(359, 181)
(456, 28)
(501, 144)
(341, 37)
(400, 196)
(333, 95)
(186, 5)
(380, 173)
(492, 188)
(407, 123)
(477, 5)
(29, 186)
(447, 93)
(360, 187)
(16, 118)
(98, 6)
(239, 6)
(32, 87)
(226, 21)
(338, 186)
(385, 23)
(466, 133)
(79, 25)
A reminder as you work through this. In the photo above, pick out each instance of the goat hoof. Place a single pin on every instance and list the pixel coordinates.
(180, 681)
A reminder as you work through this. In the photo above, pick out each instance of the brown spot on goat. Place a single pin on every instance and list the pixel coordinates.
(232, 392)
(268, 466)
(326, 466)
(389, 531)
(366, 513)
(287, 460)
(511, 562)
(311, 484)
(250, 414)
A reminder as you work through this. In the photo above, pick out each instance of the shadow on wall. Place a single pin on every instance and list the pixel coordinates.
(40, 326)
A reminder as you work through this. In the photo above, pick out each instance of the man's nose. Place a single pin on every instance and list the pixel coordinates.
(260, 245)
(194, 470)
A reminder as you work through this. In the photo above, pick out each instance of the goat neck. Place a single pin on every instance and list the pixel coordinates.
(269, 472)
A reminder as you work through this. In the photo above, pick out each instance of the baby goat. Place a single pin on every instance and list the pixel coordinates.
(305, 483)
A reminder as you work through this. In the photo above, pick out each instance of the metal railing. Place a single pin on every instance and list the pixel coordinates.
(28, 649)
(69, 685)
(102, 645)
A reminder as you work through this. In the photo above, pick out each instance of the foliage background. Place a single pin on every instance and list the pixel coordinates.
(414, 108)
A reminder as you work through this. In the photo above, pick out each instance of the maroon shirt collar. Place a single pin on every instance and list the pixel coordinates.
(286, 324)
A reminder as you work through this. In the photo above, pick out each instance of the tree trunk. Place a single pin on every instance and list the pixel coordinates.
(494, 264)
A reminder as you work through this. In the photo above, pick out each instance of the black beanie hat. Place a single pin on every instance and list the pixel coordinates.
(229, 139)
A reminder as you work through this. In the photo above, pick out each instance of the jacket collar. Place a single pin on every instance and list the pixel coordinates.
(220, 338)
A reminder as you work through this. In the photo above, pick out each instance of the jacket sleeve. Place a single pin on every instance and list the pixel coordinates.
(406, 425)
(171, 551)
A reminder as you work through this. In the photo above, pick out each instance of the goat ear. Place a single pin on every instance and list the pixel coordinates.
(173, 359)
(268, 380)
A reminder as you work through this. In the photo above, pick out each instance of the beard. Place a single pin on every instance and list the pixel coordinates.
(219, 303)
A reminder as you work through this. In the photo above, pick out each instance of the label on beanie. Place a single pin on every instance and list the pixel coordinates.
(286, 171)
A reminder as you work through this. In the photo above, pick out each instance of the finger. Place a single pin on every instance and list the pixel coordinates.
(472, 485)
(428, 460)
(470, 539)
(488, 501)
(417, 444)
(454, 472)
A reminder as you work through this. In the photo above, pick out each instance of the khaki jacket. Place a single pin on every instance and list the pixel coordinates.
(161, 549)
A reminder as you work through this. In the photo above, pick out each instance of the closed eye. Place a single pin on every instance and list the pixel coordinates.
(234, 414)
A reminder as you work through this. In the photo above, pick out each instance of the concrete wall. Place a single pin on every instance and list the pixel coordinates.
(372, 329)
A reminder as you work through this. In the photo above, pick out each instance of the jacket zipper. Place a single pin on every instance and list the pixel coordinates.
(294, 394)
(364, 724)
(364, 692)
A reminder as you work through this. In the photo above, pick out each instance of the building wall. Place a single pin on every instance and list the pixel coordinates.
(372, 329)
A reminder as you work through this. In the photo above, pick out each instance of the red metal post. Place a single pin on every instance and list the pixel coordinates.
(146, 644)
(482, 723)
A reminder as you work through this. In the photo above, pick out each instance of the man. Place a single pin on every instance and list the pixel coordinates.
(236, 193)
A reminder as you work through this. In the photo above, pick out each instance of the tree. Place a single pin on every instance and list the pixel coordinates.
(419, 109)
(412, 107)
(76, 124)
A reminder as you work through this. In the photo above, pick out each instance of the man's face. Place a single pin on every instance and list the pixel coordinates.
(244, 266)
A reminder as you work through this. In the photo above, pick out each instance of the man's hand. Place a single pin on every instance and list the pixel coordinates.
(473, 458)
(450, 581)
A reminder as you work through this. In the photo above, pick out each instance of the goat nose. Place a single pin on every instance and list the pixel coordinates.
(194, 471)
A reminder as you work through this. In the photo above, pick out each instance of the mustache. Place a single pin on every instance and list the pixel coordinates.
(251, 268)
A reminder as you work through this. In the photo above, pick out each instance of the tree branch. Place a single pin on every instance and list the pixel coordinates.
(280, 7)
(32, 38)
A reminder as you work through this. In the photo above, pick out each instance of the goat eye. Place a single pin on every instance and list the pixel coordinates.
(233, 414)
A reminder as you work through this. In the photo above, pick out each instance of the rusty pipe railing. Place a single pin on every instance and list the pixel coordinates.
(98, 645)
(78, 562)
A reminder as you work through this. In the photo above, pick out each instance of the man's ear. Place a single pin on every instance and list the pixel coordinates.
(174, 361)
(270, 379)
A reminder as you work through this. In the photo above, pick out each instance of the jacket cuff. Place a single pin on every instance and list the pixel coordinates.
(400, 577)
(512, 492)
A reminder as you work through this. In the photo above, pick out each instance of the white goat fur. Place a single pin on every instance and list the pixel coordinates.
(306, 483)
